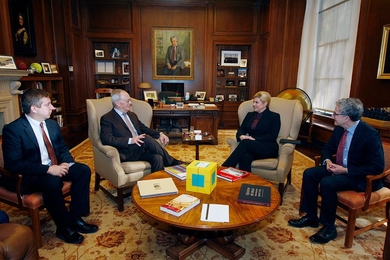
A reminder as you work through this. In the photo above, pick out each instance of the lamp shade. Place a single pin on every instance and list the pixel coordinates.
(144, 85)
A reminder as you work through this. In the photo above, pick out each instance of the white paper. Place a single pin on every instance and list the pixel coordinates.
(215, 213)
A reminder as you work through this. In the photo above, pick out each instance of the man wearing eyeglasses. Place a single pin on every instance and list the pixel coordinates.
(135, 141)
(359, 152)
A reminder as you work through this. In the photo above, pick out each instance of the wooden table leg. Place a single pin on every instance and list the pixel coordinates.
(196, 150)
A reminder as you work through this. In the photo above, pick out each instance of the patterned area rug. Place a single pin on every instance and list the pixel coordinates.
(132, 235)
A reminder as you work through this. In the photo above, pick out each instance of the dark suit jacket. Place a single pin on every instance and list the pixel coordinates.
(21, 151)
(266, 131)
(115, 132)
(365, 152)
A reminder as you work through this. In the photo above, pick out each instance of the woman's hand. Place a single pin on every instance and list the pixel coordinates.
(243, 137)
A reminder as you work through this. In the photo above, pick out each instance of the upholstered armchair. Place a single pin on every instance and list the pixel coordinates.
(106, 158)
(278, 169)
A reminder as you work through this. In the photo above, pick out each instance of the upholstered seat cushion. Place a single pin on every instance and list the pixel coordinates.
(355, 200)
(269, 164)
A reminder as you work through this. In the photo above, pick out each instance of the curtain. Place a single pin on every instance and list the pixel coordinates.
(327, 50)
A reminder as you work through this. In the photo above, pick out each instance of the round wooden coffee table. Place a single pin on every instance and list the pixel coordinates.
(224, 193)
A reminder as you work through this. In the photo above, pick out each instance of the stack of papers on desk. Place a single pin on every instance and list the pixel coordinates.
(215, 213)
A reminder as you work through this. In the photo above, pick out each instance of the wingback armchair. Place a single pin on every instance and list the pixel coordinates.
(276, 169)
(106, 158)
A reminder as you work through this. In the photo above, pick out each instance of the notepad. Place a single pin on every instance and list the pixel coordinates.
(215, 213)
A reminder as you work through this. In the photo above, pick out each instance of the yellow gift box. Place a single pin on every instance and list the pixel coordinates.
(201, 176)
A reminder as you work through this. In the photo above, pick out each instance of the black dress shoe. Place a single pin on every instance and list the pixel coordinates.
(69, 235)
(83, 227)
(304, 222)
(324, 235)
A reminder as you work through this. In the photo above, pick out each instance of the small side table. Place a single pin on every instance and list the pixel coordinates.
(206, 139)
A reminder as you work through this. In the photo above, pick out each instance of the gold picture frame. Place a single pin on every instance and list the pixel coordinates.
(150, 94)
(161, 45)
(384, 59)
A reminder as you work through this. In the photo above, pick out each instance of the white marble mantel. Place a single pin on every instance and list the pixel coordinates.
(9, 103)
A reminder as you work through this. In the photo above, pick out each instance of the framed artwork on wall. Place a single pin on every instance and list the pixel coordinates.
(384, 59)
(172, 53)
(22, 27)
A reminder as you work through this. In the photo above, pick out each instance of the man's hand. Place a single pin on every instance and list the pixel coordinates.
(138, 139)
(163, 139)
(59, 170)
(335, 168)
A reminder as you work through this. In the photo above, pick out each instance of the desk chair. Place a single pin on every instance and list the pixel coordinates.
(164, 95)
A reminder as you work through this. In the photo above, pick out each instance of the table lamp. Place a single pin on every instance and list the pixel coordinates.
(143, 86)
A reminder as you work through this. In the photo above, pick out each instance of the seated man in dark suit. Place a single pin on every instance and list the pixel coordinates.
(359, 152)
(33, 146)
(122, 129)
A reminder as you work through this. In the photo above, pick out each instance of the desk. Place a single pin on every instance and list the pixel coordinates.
(202, 119)
(224, 193)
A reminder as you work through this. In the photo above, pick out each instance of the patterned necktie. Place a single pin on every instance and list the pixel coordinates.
(49, 147)
(131, 128)
(256, 120)
(340, 148)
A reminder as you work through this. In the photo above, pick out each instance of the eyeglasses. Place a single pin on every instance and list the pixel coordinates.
(335, 114)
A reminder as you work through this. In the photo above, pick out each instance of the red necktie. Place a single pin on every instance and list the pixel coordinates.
(173, 54)
(340, 148)
(49, 147)
(256, 120)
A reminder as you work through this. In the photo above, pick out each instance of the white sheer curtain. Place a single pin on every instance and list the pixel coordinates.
(327, 50)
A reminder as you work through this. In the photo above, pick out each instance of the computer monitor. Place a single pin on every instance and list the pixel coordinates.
(178, 88)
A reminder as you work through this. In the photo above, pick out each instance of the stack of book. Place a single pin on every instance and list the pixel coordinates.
(180, 205)
(179, 171)
(231, 174)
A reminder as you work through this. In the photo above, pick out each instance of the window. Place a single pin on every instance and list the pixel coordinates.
(327, 50)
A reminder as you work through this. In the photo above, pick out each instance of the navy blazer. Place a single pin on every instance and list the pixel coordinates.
(114, 132)
(21, 151)
(365, 156)
(266, 131)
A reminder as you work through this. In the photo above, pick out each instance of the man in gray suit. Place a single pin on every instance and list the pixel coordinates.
(135, 141)
(174, 59)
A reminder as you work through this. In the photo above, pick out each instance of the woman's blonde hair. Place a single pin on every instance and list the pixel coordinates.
(263, 96)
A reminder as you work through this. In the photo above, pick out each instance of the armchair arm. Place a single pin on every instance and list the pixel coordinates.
(18, 179)
(232, 142)
(368, 192)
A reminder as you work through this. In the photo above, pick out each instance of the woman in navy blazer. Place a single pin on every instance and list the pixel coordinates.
(256, 135)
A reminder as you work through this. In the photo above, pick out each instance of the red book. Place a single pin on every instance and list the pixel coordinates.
(231, 174)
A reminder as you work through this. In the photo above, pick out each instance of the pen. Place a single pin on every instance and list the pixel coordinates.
(207, 212)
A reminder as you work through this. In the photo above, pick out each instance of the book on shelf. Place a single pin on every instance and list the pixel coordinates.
(231, 174)
(180, 205)
(255, 194)
(179, 171)
(156, 187)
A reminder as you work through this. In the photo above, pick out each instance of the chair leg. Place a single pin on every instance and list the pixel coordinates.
(97, 181)
(36, 225)
(281, 192)
(349, 234)
(120, 199)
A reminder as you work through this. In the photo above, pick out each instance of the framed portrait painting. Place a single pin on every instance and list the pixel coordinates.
(384, 58)
(172, 53)
(22, 27)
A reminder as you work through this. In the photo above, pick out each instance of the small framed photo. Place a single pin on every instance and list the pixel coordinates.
(230, 83)
(53, 68)
(7, 62)
(220, 97)
(243, 63)
(242, 83)
(231, 73)
(232, 97)
(125, 80)
(46, 68)
(99, 53)
(220, 73)
(201, 95)
(125, 68)
(230, 58)
(115, 53)
(150, 94)
(241, 72)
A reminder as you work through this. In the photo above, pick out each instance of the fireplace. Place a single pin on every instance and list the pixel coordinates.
(9, 95)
